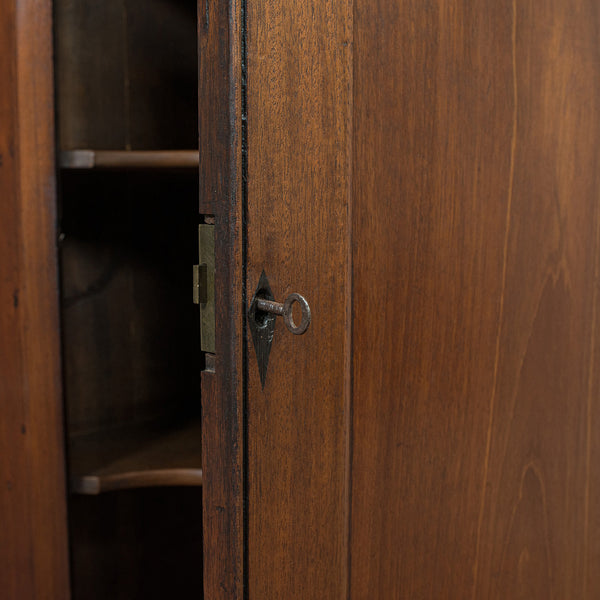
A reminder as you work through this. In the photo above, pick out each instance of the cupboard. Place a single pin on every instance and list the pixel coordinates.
(424, 175)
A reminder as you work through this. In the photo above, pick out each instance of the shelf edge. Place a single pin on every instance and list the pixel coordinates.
(129, 159)
(97, 484)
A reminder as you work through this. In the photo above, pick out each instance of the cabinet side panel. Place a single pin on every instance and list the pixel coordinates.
(33, 521)
(15, 550)
(475, 201)
(299, 110)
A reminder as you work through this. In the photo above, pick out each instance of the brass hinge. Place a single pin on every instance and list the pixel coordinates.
(204, 286)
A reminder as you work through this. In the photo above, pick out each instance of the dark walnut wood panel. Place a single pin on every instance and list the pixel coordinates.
(219, 121)
(136, 457)
(33, 520)
(299, 77)
(475, 255)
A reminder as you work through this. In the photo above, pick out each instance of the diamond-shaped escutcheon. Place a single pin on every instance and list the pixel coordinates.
(262, 327)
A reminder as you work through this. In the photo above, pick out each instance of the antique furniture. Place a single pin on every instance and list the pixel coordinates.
(415, 184)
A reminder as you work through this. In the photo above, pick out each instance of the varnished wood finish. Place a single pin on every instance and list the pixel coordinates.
(33, 546)
(124, 159)
(452, 163)
(299, 76)
(476, 182)
(135, 457)
(220, 123)
(538, 525)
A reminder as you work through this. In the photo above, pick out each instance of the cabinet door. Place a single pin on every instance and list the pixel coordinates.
(275, 164)
(298, 103)
(426, 175)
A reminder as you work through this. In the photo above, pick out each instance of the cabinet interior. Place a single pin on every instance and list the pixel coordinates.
(126, 98)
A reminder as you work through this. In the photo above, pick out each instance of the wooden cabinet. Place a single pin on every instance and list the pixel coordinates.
(126, 178)
(425, 175)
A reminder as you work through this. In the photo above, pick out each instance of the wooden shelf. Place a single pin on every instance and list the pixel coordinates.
(129, 159)
(137, 457)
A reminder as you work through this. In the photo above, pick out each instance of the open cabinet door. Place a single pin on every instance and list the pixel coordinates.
(276, 435)
(299, 74)
(33, 515)
(427, 176)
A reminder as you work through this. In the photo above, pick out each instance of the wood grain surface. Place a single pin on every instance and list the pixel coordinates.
(33, 520)
(538, 529)
(427, 175)
(299, 75)
(475, 188)
(220, 124)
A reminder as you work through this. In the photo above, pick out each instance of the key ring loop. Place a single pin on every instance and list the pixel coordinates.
(289, 318)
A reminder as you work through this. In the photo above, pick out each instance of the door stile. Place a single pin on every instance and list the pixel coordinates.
(299, 127)
(221, 201)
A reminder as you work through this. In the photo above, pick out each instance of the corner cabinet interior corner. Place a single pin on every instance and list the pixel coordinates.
(127, 128)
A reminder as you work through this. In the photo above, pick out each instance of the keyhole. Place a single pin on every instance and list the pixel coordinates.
(261, 317)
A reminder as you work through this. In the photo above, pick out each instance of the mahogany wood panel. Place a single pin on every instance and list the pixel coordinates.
(33, 546)
(475, 265)
(220, 201)
(539, 517)
(298, 103)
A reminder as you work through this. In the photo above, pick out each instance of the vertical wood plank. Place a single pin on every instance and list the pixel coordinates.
(433, 126)
(15, 550)
(219, 118)
(33, 552)
(299, 110)
(475, 203)
(591, 548)
(536, 509)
